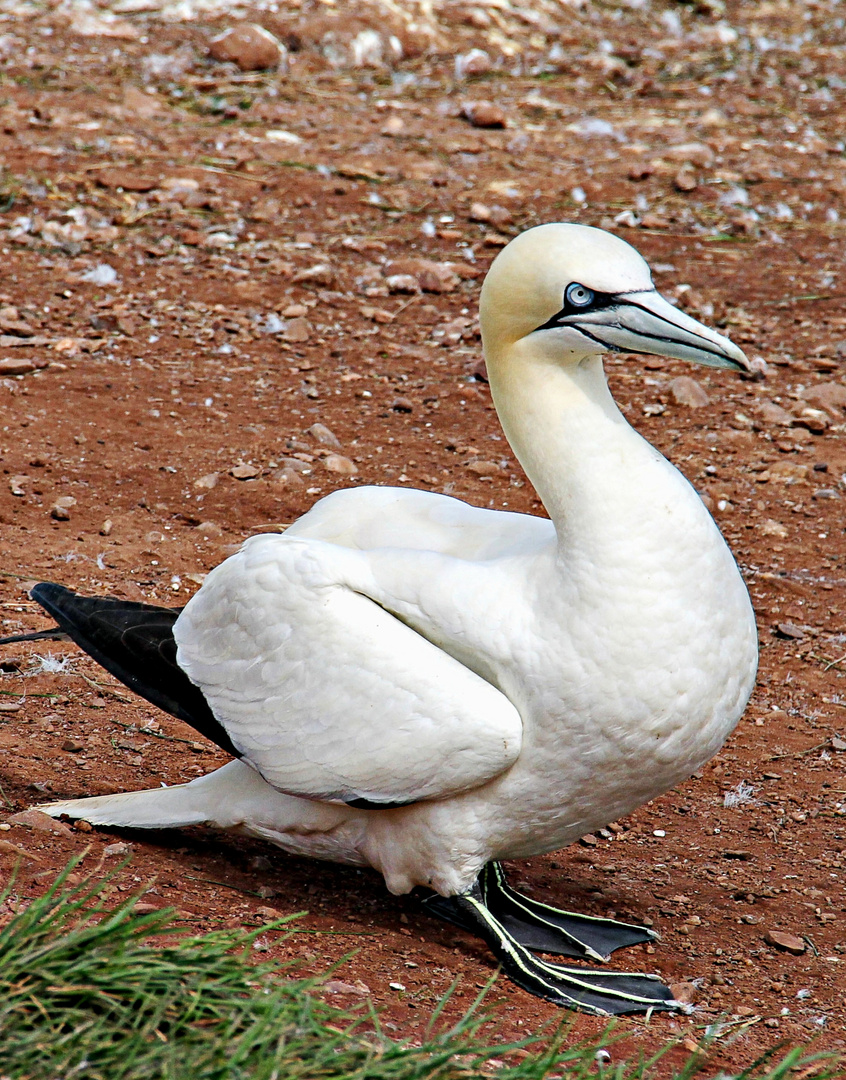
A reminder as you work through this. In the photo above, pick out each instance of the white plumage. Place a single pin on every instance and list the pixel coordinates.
(518, 681)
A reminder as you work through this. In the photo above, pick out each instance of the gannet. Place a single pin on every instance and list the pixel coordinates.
(421, 686)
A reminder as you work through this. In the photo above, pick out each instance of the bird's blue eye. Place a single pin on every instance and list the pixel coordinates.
(578, 296)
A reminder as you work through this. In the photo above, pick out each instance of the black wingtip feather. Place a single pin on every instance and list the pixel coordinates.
(135, 643)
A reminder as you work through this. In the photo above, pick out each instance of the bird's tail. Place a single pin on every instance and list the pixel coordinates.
(226, 798)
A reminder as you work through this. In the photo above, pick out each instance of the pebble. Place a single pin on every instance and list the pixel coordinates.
(61, 508)
(789, 630)
(786, 472)
(249, 46)
(402, 283)
(101, 274)
(337, 463)
(242, 471)
(830, 396)
(491, 215)
(472, 64)
(787, 942)
(431, 276)
(691, 153)
(209, 528)
(483, 468)
(321, 434)
(11, 365)
(685, 992)
(119, 848)
(320, 274)
(687, 391)
(685, 180)
(17, 484)
(297, 330)
(773, 528)
(72, 746)
(771, 413)
(207, 482)
(15, 849)
(337, 986)
(484, 114)
(41, 822)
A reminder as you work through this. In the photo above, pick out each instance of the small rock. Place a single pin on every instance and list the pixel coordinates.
(483, 468)
(321, 434)
(789, 630)
(71, 746)
(286, 476)
(89, 25)
(773, 528)
(101, 274)
(830, 396)
(321, 274)
(116, 849)
(209, 528)
(337, 463)
(295, 311)
(402, 283)
(61, 508)
(685, 180)
(336, 986)
(771, 413)
(106, 527)
(692, 153)
(402, 405)
(127, 178)
(36, 819)
(207, 482)
(11, 365)
(684, 992)
(472, 64)
(813, 420)
(297, 330)
(788, 942)
(431, 276)
(17, 484)
(837, 744)
(687, 391)
(249, 46)
(16, 327)
(242, 471)
(491, 215)
(297, 465)
(484, 114)
(377, 315)
(786, 472)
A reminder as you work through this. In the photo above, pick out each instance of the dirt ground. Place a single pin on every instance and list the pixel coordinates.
(202, 263)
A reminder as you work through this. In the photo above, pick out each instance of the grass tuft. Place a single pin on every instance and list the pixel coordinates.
(89, 992)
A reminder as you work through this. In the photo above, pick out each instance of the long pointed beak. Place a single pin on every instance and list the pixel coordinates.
(644, 322)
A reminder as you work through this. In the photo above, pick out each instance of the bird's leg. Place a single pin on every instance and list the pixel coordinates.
(513, 924)
(539, 926)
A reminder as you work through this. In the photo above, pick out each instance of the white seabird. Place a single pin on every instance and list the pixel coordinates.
(421, 686)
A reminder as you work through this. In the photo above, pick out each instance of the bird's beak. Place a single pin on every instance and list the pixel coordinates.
(644, 322)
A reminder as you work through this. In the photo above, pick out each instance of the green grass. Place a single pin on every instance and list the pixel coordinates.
(93, 993)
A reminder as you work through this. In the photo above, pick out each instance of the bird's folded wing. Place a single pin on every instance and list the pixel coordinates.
(328, 694)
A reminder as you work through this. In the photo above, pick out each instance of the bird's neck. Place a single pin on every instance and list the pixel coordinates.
(597, 478)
